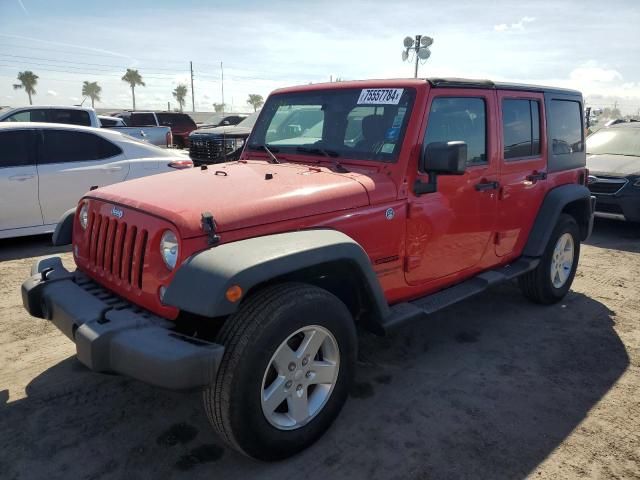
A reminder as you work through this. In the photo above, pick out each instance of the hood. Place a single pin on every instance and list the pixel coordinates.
(613, 165)
(241, 195)
(229, 130)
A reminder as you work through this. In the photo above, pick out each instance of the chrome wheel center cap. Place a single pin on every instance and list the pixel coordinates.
(298, 375)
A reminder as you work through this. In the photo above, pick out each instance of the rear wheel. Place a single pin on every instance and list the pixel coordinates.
(552, 278)
(289, 357)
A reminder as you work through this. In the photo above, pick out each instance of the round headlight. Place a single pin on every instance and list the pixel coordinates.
(84, 215)
(169, 249)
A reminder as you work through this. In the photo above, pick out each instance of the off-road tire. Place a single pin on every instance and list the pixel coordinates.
(250, 337)
(536, 285)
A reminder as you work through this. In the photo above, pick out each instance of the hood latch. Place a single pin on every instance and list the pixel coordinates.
(209, 226)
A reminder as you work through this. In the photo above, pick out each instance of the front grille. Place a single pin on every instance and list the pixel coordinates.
(608, 208)
(203, 150)
(607, 186)
(117, 249)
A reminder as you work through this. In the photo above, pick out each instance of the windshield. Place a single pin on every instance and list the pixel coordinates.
(214, 119)
(250, 121)
(615, 141)
(364, 124)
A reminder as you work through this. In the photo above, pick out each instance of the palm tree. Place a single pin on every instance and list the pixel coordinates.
(180, 93)
(91, 90)
(28, 81)
(133, 78)
(256, 101)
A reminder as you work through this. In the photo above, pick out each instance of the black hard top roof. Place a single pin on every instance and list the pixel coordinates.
(470, 83)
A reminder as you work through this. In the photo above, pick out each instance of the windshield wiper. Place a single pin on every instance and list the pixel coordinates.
(269, 151)
(326, 153)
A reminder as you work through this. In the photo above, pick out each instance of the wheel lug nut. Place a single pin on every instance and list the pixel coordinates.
(288, 384)
(292, 367)
(305, 360)
(308, 374)
(299, 388)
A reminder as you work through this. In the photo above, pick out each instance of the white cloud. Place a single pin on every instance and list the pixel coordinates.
(52, 93)
(514, 27)
(590, 72)
(74, 99)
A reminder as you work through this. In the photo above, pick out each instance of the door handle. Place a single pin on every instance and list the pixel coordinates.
(535, 176)
(112, 169)
(484, 186)
(21, 178)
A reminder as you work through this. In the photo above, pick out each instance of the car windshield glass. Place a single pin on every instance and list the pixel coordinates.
(362, 124)
(250, 121)
(213, 119)
(615, 141)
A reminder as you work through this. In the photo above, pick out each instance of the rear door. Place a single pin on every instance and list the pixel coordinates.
(70, 163)
(523, 165)
(19, 205)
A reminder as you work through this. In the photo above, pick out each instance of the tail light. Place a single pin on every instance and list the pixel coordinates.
(180, 164)
(169, 138)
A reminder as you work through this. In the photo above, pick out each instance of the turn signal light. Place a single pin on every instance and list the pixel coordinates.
(181, 164)
(234, 293)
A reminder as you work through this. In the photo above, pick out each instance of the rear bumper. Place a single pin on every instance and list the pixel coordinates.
(112, 335)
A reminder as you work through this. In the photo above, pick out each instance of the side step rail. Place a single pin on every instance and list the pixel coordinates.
(404, 312)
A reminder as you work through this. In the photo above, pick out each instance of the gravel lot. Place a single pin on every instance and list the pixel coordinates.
(494, 387)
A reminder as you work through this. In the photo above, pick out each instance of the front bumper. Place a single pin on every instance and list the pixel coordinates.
(112, 335)
(622, 206)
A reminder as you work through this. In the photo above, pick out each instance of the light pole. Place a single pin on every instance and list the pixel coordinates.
(418, 48)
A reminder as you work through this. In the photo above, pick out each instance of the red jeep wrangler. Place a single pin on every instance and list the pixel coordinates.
(248, 279)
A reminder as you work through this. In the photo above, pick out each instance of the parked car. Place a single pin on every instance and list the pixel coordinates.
(223, 120)
(220, 144)
(107, 122)
(613, 159)
(257, 272)
(45, 167)
(146, 122)
(181, 126)
(155, 135)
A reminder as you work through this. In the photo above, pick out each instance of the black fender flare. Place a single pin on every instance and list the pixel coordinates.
(555, 202)
(63, 233)
(200, 283)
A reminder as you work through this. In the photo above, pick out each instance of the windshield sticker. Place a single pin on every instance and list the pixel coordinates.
(388, 147)
(380, 96)
(392, 134)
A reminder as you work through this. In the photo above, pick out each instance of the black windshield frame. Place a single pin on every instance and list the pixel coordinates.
(337, 104)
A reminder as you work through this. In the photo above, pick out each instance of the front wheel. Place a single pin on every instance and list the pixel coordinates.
(552, 278)
(289, 358)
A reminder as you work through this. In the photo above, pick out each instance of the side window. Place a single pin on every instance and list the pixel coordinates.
(459, 119)
(143, 120)
(69, 146)
(520, 128)
(14, 146)
(28, 116)
(71, 117)
(565, 127)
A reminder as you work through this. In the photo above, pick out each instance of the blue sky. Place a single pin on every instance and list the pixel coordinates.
(590, 45)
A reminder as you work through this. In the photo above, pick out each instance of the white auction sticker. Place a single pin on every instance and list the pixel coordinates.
(380, 96)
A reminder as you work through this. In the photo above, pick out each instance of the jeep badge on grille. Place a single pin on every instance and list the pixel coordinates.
(116, 212)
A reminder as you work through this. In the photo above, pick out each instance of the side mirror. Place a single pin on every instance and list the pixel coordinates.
(440, 158)
(225, 123)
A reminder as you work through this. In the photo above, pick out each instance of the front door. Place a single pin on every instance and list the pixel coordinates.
(449, 231)
(19, 207)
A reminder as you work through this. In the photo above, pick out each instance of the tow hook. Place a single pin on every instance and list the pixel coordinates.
(209, 226)
(45, 273)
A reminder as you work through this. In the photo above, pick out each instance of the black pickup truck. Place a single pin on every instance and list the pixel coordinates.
(220, 144)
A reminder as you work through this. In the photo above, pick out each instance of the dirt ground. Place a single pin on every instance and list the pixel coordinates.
(494, 387)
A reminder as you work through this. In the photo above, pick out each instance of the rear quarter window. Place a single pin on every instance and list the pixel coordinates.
(565, 132)
(61, 146)
(70, 117)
